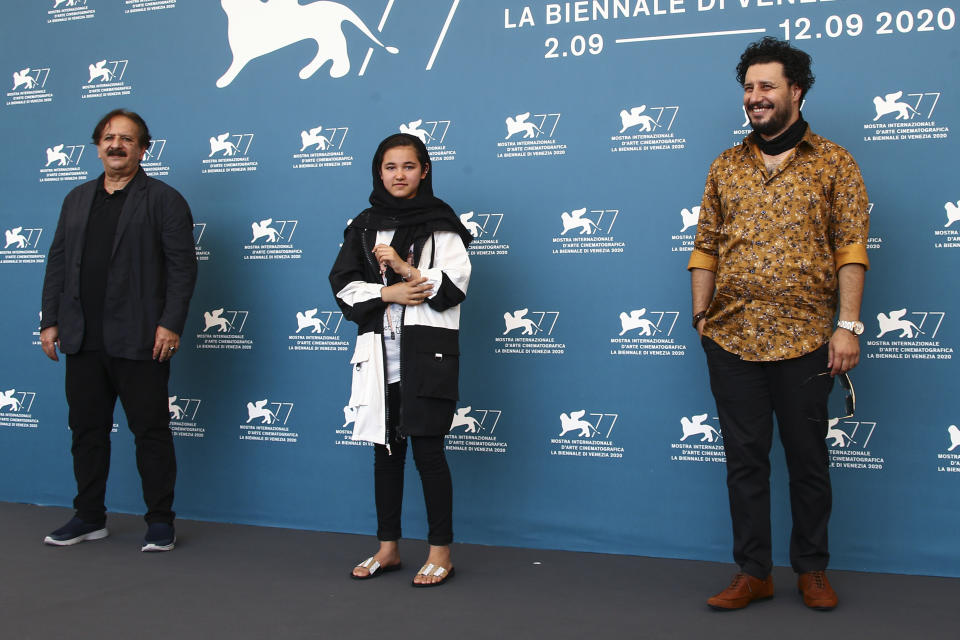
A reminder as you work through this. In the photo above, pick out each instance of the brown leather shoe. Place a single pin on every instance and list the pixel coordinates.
(816, 590)
(743, 590)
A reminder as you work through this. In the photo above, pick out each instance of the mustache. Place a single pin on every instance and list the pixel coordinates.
(117, 152)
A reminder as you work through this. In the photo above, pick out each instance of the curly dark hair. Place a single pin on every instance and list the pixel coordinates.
(796, 63)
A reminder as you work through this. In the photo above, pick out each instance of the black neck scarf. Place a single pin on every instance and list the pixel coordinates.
(412, 218)
(783, 142)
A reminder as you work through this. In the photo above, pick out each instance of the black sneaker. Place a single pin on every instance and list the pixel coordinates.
(160, 537)
(76, 531)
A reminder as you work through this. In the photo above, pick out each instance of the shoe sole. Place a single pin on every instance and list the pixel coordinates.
(816, 607)
(716, 607)
(93, 535)
(148, 547)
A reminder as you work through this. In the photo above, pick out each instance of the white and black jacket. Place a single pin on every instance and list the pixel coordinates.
(429, 348)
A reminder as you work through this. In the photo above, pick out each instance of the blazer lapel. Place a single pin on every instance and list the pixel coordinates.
(83, 210)
(137, 190)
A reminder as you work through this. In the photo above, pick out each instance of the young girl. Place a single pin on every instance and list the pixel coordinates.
(401, 275)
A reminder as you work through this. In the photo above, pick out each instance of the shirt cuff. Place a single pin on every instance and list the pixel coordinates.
(434, 279)
(701, 260)
(851, 254)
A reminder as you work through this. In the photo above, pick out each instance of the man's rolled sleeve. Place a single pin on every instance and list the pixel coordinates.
(850, 217)
(851, 254)
(707, 242)
(701, 260)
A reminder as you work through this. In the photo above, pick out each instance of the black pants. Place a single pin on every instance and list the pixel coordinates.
(94, 380)
(428, 454)
(748, 394)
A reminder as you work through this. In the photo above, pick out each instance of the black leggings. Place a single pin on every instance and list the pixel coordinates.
(428, 454)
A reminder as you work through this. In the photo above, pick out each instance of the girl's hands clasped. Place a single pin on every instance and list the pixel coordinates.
(387, 257)
(414, 289)
(411, 293)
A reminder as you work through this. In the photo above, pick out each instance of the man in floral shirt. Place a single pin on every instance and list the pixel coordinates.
(781, 244)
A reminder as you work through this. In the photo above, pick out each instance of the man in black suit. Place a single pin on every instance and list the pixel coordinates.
(120, 274)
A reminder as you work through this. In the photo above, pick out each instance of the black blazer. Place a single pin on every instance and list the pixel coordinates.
(153, 269)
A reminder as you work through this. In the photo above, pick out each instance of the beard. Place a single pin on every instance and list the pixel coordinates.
(778, 121)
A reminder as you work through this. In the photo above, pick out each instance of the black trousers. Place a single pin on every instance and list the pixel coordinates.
(748, 395)
(94, 381)
(431, 461)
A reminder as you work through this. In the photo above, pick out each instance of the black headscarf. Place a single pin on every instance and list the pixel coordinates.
(415, 217)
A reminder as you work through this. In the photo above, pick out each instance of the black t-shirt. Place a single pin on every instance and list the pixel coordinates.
(95, 264)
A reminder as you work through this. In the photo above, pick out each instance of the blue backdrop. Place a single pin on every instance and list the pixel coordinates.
(574, 139)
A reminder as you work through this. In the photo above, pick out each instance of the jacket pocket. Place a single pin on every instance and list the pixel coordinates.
(439, 374)
(363, 370)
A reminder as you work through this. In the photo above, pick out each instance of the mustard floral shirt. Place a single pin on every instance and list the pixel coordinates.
(775, 242)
